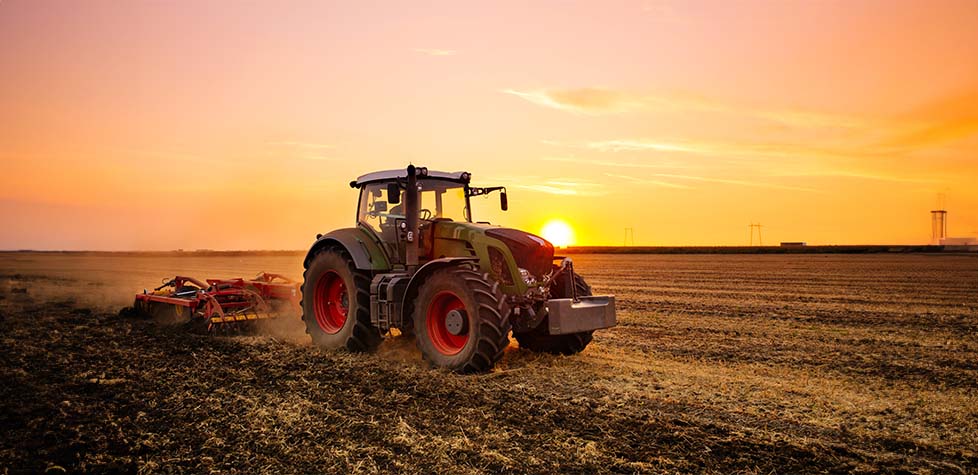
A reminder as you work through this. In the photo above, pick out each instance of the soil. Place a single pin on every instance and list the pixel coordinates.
(720, 364)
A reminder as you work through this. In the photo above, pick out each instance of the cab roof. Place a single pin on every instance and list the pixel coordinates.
(401, 173)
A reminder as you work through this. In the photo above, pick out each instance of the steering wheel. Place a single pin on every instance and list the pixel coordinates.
(425, 214)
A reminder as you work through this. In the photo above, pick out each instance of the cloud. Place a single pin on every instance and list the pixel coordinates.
(632, 145)
(581, 101)
(599, 100)
(737, 182)
(435, 51)
(722, 148)
(609, 163)
(566, 187)
(820, 169)
(812, 145)
(553, 190)
(943, 120)
(838, 173)
(643, 181)
(553, 186)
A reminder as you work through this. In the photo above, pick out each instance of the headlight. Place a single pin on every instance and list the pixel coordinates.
(527, 277)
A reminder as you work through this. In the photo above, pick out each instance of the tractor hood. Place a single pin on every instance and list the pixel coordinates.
(531, 252)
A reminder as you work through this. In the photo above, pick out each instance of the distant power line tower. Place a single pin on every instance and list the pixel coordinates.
(938, 225)
(938, 220)
(757, 226)
(629, 237)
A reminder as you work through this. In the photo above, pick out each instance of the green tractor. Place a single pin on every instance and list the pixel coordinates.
(418, 263)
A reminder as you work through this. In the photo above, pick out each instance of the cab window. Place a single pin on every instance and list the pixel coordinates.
(377, 213)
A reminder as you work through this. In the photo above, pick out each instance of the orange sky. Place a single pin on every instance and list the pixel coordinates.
(234, 125)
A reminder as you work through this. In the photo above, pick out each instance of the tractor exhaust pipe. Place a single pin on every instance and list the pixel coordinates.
(411, 210)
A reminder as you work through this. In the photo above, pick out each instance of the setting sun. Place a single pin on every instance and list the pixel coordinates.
(558, 233)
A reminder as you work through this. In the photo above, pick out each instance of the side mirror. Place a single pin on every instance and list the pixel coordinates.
(393, 193)
(503, 201)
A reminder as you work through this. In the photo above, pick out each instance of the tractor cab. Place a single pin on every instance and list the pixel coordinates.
(442, 197)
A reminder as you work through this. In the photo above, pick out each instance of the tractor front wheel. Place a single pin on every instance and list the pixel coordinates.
(461, 320)
(336, 303)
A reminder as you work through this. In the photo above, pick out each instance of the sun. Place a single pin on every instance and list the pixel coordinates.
(558, 233)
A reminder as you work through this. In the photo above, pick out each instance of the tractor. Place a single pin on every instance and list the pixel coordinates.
(416, 262)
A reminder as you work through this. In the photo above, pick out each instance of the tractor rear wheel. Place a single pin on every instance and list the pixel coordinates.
(539, 340)
(336, 303)
(461, 320)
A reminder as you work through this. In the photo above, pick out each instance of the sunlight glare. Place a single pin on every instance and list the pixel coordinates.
(558, 233)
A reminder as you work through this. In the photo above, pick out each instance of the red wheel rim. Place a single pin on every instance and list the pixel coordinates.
(331, 302)
(443, 340)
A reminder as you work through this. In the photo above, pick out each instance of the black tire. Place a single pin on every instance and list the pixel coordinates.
(485, 320)
(354, 331)
(539, 340)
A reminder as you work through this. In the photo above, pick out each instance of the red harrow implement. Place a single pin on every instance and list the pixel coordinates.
(220, 302)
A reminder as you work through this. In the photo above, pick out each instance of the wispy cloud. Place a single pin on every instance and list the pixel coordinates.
(553, 190)
(943, 120)
(814, 146)
(667, 180)
(716, 148)
(839, 173)
(581, 101)
(565, 187)
(770, 170)
(631, 145)
(599, 100)
(727, 181)
(609, 163)
(644, 181)
(435, 51)
(938, 122)
(554, 185)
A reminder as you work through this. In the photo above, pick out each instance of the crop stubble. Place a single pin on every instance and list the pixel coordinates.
(812, 363)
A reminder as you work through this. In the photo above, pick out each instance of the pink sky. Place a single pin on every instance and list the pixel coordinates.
(233, 125)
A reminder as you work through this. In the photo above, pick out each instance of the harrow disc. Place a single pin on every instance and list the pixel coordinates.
(235, 310)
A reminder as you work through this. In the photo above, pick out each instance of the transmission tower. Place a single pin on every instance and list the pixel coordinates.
(757, 226)
(938, 220)
(629, 237)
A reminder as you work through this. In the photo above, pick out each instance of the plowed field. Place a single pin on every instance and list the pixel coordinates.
(720, 364)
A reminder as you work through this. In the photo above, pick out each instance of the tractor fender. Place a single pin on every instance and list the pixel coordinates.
(366, 254)
(426, 270)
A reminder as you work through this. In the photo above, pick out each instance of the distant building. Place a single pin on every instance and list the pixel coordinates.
(959, 241)
(793, 244)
